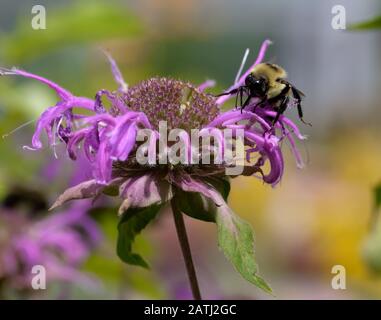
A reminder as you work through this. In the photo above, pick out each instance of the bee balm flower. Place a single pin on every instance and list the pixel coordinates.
(108, 138)
(59, 243)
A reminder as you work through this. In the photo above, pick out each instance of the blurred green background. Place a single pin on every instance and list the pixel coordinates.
(316, 218)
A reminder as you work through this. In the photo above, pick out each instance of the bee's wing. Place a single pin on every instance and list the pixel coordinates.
(298, 91)
(272, 60)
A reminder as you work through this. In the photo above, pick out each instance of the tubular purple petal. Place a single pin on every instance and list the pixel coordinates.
(62, 93)
(91, 143)
(124, 141)
(103, 163)
(295, 151)
(46, 122)
(206, 84)
(100, 118)
(75, 140)
(276, 167)
(117, 74)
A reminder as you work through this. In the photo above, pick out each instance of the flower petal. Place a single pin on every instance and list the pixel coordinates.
(87, 189)
(143, 191)
(206, 84)
(103, 163)
(123, 141)
(62, 93)
(116, 73)
(190, 184)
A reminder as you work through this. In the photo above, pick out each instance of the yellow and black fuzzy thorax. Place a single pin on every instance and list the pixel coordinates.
(273, 74)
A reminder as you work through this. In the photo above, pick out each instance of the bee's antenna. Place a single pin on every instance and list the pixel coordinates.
(246, 54)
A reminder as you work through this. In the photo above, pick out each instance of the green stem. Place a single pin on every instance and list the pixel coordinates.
(183, 239)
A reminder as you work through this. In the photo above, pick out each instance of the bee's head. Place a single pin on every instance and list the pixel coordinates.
(257, 85)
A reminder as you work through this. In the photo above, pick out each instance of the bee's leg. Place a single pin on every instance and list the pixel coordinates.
(300, 114)
(296, 95)
(281, 110)
(236, 99)
(241, 95)
(244, 105)
(228, 93)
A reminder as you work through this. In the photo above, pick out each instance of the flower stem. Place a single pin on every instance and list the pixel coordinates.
(183, 239)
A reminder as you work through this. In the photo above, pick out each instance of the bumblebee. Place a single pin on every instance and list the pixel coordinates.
(267, 82)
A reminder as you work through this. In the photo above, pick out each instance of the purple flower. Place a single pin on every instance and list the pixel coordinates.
(60, 243)
(111, 141)
(108, 137)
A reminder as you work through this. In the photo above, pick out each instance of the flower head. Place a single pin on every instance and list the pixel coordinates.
(59, 243)
(108, 137)
(178, 103)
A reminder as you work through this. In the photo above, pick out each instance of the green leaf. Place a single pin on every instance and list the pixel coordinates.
(374, 23)
(235, 236)
(132, 222)
(222, 185)
(198, 206)
(195, 205)
(236, 240)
